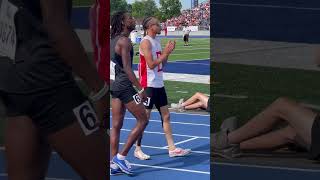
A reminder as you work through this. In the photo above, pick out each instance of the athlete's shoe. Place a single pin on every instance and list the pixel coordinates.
(141, 155)
(178, 152)
(221, 146)
(124, 165)
(114, 169)
(178, 106)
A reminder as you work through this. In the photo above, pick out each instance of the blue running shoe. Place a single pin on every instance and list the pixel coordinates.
(124, 165)
(114, 169)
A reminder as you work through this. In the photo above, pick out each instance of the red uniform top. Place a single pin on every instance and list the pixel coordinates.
(100, 32)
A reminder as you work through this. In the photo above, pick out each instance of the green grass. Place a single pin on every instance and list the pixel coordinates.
(262, 85)
(178, 90)
(199, 49)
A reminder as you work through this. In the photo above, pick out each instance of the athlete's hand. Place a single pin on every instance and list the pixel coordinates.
(143, 96)
(169, 47)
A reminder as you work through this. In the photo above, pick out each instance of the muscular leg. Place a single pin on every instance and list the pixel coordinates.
(27, 154)
(140, 114)
(118, 112)
(86, 154)
(298, 117)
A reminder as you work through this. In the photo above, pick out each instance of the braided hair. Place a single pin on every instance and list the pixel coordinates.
(117, 23)
(145, 24)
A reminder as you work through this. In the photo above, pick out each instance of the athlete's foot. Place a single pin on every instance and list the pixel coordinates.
(138, 153)
(114, 169)
(123, 164)
(178, 152)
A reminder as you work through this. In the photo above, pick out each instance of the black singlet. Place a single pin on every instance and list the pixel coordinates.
(37, 66)
(121, 81)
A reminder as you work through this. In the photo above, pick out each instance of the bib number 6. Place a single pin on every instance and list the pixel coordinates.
(86, 117)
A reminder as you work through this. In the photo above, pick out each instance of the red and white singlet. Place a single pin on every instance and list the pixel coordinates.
(151, 77)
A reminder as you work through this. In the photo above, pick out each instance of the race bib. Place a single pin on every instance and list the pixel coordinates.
(112, 70)
(147, 102)
(86, 117)
(136, 98)
(8, 37)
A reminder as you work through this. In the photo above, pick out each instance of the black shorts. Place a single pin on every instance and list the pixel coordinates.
(186, 37)
(50, 110)
(315, 139)
(126, 95)
(156, 97)
(208, 105)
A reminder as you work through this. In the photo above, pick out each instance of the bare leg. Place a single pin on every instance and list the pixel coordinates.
(271, 141)
(140, 114)
(298, 117)
(27, 154)
(195, 98)
(167, 127)
(86, 154)
(118, 112)
(195, 106)
(138, 144)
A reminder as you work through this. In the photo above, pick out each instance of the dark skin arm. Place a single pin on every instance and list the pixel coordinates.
(68, 45)
(62, 34)
(123, 48)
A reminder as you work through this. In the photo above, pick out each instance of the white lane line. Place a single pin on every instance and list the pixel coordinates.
(155, 147)
(181, 142)
(266, 167)
(181, 135)
(208, 115)
(184, 123)
(174, 122)
(174, 169)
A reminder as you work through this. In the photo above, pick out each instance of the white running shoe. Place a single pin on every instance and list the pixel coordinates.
(178, 152)
(140, 155)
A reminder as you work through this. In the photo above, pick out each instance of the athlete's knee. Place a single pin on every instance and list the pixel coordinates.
(284, 105)
(117, 125)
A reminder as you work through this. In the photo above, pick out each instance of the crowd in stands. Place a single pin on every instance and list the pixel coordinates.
(198, 16)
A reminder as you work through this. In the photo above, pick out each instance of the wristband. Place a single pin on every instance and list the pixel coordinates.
(96, 97)
(141, 91)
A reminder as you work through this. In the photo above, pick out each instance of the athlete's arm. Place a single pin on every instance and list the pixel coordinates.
(125, 47)
(67, 43)
(147, 51)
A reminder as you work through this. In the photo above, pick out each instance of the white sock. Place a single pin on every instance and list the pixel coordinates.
(119, 156)
(138, 148)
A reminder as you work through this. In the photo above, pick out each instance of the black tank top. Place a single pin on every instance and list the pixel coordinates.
(37, 65)
(121, 81)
